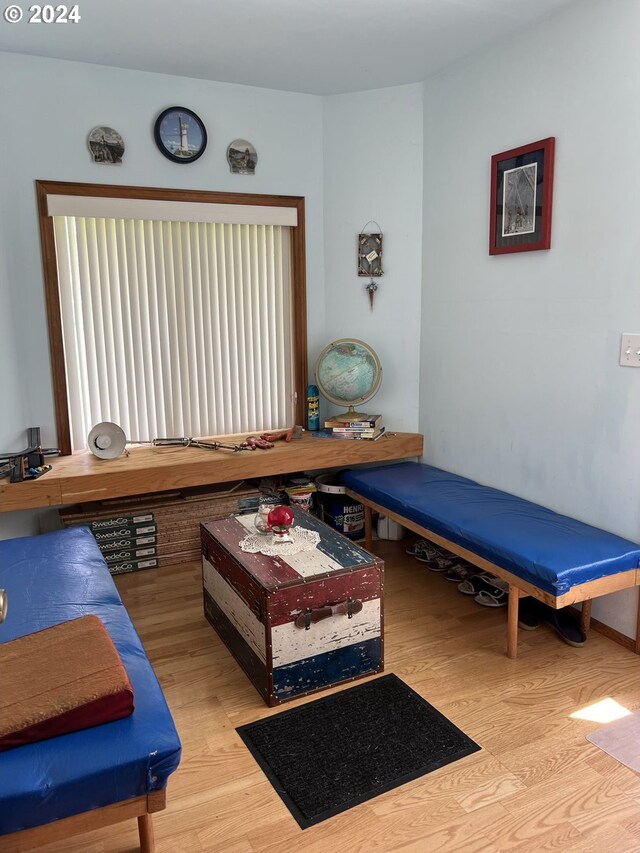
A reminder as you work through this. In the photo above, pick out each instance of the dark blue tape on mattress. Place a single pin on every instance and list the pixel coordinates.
(51, 579)
(547, 549)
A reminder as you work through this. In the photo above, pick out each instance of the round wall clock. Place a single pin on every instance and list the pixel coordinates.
(180, 135)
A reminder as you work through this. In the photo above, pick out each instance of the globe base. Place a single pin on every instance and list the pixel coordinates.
(349, 416)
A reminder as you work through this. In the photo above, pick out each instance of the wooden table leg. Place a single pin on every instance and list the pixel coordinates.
(585, 615)
(145, 831)
(512, 622)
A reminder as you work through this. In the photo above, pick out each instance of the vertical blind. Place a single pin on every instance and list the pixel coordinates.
(175, 328)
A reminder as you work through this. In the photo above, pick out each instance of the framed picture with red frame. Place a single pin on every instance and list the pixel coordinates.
(521, 198)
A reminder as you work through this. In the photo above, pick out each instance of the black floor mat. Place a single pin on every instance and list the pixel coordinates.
(334, 753)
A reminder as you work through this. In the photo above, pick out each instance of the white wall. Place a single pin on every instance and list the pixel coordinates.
(373, 170)
(51, 106)
(520, 385)
(12, 422)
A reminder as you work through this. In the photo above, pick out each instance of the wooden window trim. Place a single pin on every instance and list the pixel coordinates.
(51, 285)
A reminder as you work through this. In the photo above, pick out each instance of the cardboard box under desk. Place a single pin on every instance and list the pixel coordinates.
(126, 555)
(116, 534)
(134, 566)
(150, 541)
(177, 517)
(175, 502)
(112, 522)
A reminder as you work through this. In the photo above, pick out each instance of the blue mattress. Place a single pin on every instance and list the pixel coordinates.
(51, 579)
(549, 550)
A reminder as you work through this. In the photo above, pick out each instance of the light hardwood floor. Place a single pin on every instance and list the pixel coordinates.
(537, 784)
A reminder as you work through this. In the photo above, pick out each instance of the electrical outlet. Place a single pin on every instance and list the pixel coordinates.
(630, 350)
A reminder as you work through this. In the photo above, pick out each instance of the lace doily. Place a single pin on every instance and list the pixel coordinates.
(261, 543)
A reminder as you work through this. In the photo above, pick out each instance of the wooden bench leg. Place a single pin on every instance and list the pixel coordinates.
(145, 831)
(368, 528)
(585, 615)
(512, 622)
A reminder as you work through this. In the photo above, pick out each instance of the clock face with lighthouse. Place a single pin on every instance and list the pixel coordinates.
(180, 135)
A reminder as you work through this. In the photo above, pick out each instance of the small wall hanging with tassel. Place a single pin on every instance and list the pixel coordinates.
(370, 258)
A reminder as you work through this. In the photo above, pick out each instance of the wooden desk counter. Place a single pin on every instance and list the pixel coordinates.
(82, 477)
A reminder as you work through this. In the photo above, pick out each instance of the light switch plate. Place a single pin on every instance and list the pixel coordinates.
(630, 350)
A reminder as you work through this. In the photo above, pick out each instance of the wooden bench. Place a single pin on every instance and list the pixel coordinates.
(87, 779)
(538, 552)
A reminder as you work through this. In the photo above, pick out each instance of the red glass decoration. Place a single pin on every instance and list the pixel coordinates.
(280, 519)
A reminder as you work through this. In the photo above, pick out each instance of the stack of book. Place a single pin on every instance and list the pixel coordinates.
(367, 427)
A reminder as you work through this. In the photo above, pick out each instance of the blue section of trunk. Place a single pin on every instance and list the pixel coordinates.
(326, 669)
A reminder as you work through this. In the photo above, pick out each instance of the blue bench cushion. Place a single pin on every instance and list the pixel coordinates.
(51, 579)
(549, 550)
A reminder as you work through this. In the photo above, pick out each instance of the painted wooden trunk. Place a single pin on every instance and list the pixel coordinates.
(299, 623)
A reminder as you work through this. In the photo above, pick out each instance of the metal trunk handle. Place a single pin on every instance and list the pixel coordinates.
(344, 608)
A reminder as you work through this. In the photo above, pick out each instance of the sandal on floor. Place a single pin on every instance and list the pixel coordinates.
(423, 551)
(461, 572)
(492, 599)
(482, 583)
(438, 564)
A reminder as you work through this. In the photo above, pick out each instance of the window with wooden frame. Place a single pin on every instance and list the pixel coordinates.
(173, 312)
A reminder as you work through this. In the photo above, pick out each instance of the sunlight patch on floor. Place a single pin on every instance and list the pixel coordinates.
(605, 711)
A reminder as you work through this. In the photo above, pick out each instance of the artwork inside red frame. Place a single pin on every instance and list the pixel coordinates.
(521, 198)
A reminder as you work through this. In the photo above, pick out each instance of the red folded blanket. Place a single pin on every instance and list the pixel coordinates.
(60, 680)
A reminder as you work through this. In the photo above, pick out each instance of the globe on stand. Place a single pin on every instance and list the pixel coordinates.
(348, 372)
